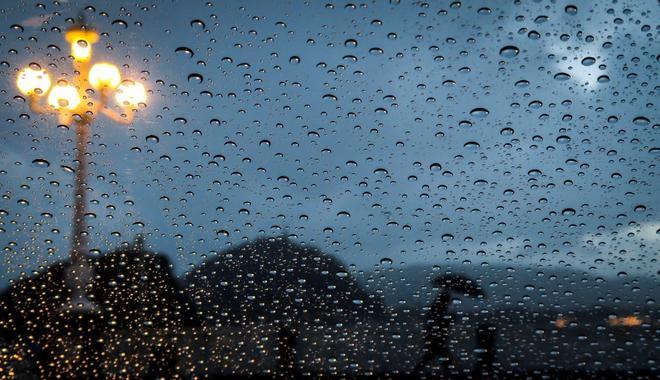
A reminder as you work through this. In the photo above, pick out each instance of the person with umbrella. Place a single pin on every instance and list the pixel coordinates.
(439, 320)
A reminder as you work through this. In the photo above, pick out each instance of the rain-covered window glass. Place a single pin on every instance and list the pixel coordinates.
(329, 189)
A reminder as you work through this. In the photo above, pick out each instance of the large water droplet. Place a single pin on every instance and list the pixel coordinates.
(183, 51)
(588, 61)
(509, 51)
(120, 23)
(198, 24)
(40, 163)
(479, 112)
(195, 78)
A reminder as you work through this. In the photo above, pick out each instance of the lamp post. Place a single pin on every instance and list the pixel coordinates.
(74, 103)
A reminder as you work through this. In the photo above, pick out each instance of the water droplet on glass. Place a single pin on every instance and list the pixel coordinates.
(67, 169)
(541, 19)
(521, 83)
(447, 237)
(350, 43)
(509, 51)
(152, 139)
(120, 23)
(588, 61)
(195, 78)
(183, 51)
(40, 163)
(435, 167)
(506, 131)
(479, 112)
(198, 24)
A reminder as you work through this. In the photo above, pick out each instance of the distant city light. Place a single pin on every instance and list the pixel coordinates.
(627, 321)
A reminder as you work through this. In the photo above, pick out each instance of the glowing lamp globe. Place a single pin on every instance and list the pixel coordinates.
(104, 75)
(130, 93)
(81, 43)
(64, 96)
(33, 81)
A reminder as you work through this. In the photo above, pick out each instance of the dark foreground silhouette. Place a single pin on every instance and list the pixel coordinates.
(275, 280)
(440, 320)
(277, 293)
(135, 292)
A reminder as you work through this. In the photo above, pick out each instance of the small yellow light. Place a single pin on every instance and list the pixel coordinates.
(33, 81)
(104, 75)
(64, 96)
(81, 43)
(628, 321)
(130, 93)
(81, 50)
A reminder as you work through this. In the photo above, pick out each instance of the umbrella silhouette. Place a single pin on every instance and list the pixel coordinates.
(459, 284)
(439, 321)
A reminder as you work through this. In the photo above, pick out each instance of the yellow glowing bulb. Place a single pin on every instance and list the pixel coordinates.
(81, 50)
(64, 96)
(81, 43)
(130, 93)
(104, 75)
(33, 81)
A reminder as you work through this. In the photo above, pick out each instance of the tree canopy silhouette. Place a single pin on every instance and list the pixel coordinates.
(275, 279)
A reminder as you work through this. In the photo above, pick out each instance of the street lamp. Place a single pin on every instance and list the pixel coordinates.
(74, 104)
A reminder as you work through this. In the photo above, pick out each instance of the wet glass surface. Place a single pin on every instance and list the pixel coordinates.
(383, 189)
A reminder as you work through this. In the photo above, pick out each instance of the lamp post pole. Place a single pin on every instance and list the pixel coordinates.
(79, 274)
(80, 240)
(74, 104)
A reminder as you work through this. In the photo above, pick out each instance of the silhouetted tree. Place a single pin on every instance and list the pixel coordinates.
(257, 283)
(134, 290)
